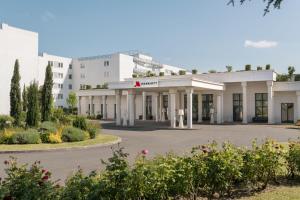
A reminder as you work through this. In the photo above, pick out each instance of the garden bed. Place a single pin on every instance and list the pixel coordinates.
(100, 140)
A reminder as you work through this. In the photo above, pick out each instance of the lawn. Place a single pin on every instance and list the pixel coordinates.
(100, 139)
(277, 193)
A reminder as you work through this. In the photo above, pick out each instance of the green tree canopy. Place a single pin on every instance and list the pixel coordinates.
(15, 95)
(46, 99)
(24, 99)
(72, 100)
(33, 108)
(269, 3)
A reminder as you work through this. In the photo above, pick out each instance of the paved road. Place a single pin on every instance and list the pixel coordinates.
(156, 140)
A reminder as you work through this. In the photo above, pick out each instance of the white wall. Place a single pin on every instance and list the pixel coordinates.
(16, 44)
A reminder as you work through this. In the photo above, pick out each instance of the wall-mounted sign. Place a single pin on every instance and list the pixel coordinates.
(148, 83)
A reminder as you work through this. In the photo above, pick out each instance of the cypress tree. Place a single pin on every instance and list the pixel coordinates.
(15, 95)
(33, 108)
(24, 98)
(46, 107)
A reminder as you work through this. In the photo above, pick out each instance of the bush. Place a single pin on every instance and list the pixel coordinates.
(25, 183)
(29, 136)
(259, 68)
(293, 159)
(247, 67)
(297, 77)
(48, 126)
(71, 134)
(92, 130)
(6, 136)
(182, 72)
(80, 122)
(161, 73)
(54, 138)
(194, 71)
(6, 121)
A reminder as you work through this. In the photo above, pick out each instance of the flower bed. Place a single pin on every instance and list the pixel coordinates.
(209, 171)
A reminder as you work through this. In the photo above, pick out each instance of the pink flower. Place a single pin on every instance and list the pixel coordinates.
(145, 152)
(45, 178)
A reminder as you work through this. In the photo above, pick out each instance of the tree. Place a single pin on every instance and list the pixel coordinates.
(229, 68)
(268, 67)
(33, 108)
(72, 100)
(248, 67)
(275, 3)
(15, 95)
(291, 71)
(46, 98)
(24, 99)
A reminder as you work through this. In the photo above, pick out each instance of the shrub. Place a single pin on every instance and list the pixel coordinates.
(262, 164)
(88, 87)
(92, 130)
(268, 67)
(71, 134)
(54, 138)
(282, 77)
(259, 68)
(134, 75)
(247, 67)
(29, 136)
(6, 121)
(23, 183)
(161, 73)
(182, 72)
(297, 77)
(212, 71)
(48, 126)
(80, 122)
(194, 71)
(6, 136)
(293, 159)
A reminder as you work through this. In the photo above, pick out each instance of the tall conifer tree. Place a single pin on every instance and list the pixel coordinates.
(46, 107)
(24, 99)
(33, 108)
(15, 95)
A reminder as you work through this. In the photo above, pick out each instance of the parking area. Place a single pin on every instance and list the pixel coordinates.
(157, 138)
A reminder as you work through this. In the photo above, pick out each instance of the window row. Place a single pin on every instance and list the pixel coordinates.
(58, 75)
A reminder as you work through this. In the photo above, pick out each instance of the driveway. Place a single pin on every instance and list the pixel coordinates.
(157, 138)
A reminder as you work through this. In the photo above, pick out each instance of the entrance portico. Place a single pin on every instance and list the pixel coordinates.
(155, 90)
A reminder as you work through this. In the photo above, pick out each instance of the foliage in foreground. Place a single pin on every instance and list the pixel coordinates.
(209, 171)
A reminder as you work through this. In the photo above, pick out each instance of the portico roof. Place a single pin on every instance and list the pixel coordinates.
(158, 83)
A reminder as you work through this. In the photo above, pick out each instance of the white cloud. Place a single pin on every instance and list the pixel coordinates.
(48, 16)
(260, 44)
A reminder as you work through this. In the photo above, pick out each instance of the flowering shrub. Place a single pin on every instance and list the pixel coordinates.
(6, 136)
(28, 183)
(209, 171)
(293, 158)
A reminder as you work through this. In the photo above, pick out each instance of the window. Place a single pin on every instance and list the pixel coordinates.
(50, 63)
(70, 87)
(207, 103)
(60, 96)
(70, 66)
(82, 75)
(58, 75)
(60, 65)
(70, 76)
(82, 66)
(106, 74)
(106, 63)
(261, 105)
(237, 106)
(82, 86)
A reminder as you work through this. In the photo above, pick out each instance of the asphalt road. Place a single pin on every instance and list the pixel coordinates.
(147, 135)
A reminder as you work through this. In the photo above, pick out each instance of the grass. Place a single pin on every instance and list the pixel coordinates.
(277, 193)
(100, 139)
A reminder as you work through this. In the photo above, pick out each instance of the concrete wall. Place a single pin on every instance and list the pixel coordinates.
(16, 44)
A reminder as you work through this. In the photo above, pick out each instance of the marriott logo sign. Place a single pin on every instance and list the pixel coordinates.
(145, 83)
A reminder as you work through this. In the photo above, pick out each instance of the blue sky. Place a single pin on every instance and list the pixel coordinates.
(204, 34)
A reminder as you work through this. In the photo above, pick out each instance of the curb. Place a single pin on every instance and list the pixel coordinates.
(119, 140)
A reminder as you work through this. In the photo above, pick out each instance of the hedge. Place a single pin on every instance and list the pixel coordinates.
(208, 171)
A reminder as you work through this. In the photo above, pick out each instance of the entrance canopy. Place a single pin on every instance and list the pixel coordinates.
(166, 83)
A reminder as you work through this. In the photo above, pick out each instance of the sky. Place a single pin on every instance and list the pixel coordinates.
(195, 34)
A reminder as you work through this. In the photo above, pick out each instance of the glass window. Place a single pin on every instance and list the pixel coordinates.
(261, 105)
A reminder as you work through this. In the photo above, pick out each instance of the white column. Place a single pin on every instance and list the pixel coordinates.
(245, 109)
(155, 106)
(189, 94)
(144, 105)
(172, 108)
(298, 105)
(104, 107)
(91, 103)
(200, 108)
(270, 102)
(118, 107)
(160, 106)
(131, 106)
(219, 109)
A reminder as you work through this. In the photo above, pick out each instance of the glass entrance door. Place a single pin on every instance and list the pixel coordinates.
(237, 107)
(149, 108)
(207, 103)
(287, 113)
(165, 105)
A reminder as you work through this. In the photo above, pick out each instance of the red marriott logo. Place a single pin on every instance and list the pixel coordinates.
(137, 84)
